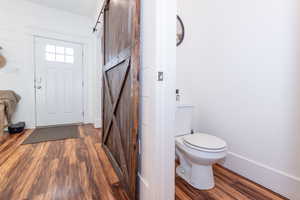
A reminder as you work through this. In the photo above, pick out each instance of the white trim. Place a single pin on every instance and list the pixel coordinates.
(144, 188)
(97, 95)
(98, 123)
(144, 182)
(276, 180)
(164, 182)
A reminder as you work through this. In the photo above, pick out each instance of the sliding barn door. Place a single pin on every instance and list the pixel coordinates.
(121, 40)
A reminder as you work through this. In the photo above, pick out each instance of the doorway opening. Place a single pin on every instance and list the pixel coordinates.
(58, 82)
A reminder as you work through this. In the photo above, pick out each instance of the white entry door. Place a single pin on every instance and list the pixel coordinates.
(58, 82)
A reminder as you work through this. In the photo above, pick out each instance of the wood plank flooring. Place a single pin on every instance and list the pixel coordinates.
(9, 144)
(78, 169)
(73, 169)
(229, 186)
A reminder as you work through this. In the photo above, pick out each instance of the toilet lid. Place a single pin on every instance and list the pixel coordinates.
(204, 141)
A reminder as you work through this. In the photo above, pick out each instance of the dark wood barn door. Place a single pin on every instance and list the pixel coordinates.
(120, 96)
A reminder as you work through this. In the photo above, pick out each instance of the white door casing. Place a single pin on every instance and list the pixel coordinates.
(58, 82)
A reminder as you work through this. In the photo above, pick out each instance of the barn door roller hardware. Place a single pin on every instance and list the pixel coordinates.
(105, 3)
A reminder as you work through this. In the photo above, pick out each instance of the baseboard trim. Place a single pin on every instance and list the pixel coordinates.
(143, 181)
(143, 188)
(273, 179)
(97, 123)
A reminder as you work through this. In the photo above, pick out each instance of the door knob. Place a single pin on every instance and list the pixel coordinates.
(39, 87)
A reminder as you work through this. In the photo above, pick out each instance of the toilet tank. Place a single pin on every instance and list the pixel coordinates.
(183, 119)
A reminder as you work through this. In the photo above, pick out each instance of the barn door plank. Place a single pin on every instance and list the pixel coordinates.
(115, 105)
(120, 93)
(113, 119)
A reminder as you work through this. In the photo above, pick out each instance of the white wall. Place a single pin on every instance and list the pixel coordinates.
(98, 68)
(239, 65)
(147, 100)
(19, 21)
(98, 82)
(157, 102)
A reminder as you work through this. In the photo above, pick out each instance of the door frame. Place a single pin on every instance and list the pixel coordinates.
(89, 68)
(81, 69)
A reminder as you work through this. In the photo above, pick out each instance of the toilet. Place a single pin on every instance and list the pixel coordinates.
(197, 152)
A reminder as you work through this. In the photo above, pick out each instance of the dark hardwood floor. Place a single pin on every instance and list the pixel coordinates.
(9, 144)
(229, 186)
(78, 169)
(73, 169)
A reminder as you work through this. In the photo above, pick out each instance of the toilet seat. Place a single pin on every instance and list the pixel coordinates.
(204, 142)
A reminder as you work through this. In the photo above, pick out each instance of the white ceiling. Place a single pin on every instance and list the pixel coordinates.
(80, 7)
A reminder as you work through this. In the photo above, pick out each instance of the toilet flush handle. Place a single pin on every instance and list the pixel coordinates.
(177, 95)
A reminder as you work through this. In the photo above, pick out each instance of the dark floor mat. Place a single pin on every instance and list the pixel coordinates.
(52, 134)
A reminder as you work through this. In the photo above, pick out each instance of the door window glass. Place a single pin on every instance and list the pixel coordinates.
(59, 54)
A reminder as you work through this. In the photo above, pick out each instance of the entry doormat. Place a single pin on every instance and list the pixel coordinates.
(52, 134)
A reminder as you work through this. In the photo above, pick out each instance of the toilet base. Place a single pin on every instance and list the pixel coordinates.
(199, 176)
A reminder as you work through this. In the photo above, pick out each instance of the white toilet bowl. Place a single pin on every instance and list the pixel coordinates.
(197, 153)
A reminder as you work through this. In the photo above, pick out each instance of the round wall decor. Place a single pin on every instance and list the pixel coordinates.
(180, 31)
